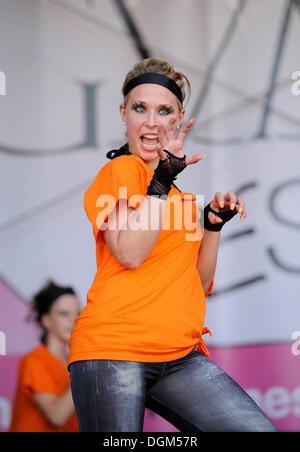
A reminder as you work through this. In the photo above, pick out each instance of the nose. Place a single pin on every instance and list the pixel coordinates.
(151, 119)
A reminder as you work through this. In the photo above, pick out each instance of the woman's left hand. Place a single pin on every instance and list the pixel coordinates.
(229, 201)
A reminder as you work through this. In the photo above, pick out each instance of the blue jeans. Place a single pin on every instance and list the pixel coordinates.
(192, 393)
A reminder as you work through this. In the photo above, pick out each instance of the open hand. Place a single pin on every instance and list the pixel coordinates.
(167, 140)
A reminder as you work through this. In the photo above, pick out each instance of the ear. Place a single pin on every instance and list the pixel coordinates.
(122, 112)
(45, 321)
(181, 115)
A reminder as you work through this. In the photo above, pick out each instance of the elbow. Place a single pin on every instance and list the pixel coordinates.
(131, 264)
(207, 287)
(56, 417)
(205, 281)
(56, 420)
(136, 263)
(58, 424)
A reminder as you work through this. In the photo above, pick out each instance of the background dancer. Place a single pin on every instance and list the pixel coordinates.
(43, 400)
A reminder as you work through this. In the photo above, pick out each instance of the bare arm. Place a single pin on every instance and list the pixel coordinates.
(207, 257)
(56, 409)
(131, 244)
(208, 252)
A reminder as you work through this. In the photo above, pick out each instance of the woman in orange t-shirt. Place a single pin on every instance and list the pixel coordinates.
(43, 400)
(138, 341)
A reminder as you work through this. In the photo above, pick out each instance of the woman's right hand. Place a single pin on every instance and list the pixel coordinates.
(167, 140)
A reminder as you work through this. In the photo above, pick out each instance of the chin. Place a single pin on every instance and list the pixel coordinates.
(145, 154)
(148, 155)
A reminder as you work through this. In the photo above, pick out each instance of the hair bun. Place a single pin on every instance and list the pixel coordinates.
(123, 150)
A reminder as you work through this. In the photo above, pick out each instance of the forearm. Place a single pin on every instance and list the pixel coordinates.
(207, 257)
(57, 409)
(141, 230)
(63, 408)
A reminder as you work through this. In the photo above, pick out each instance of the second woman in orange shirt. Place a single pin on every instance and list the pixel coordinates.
(43, 400)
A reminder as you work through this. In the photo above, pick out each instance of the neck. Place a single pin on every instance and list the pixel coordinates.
(57, 347)
(153, 163)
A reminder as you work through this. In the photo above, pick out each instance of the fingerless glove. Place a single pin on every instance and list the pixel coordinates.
(225, 216)
(165, 173)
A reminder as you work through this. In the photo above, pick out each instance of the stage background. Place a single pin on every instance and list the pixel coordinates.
(64, 63)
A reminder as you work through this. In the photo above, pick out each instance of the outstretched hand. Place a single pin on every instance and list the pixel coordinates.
(167, 140)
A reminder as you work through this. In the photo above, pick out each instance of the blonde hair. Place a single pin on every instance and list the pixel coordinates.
(161, 67)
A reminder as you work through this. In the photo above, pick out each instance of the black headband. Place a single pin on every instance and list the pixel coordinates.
(158, 79)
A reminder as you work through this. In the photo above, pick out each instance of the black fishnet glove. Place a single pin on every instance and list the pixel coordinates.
(165, 173)
(225, 216)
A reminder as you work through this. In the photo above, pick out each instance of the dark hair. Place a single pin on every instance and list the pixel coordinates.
(151, 65)
(43, 300)
(123, 150)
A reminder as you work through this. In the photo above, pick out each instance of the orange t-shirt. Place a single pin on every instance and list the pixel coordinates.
(39, 371)
(153, 313)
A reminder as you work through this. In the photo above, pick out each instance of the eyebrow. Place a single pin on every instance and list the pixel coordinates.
(145, 103)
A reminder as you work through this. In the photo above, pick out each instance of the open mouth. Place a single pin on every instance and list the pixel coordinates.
(149, 141)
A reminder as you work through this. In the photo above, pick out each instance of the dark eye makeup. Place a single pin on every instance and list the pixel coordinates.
(140, 107)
